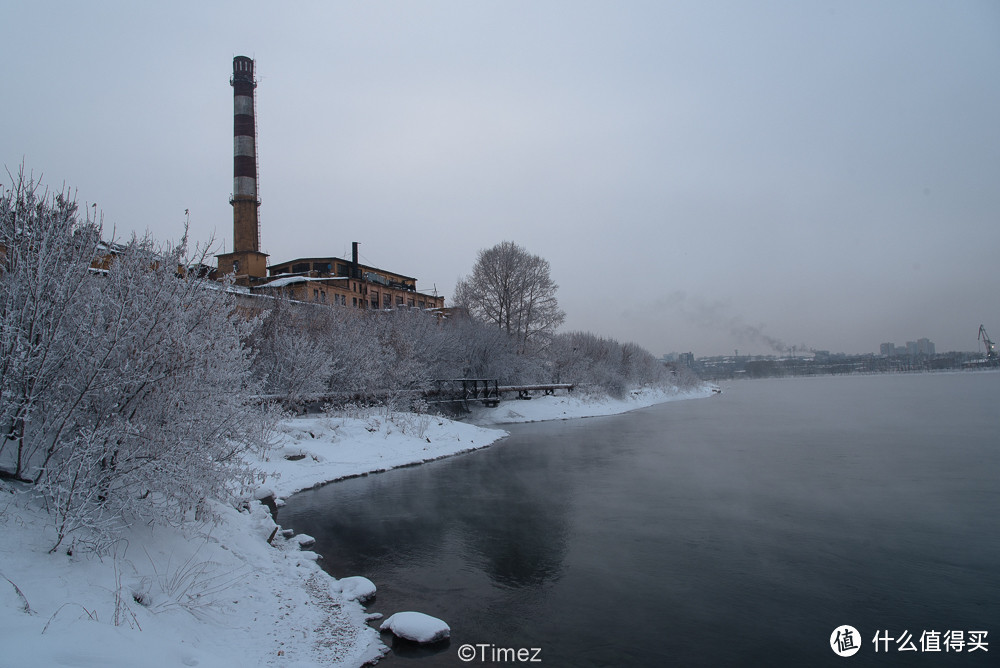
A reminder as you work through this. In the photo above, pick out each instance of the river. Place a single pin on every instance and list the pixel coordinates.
(743, 529)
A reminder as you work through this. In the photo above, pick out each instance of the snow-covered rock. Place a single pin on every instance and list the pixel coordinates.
(416, 626)
(264, 492)
(355, 588)
(304, 540)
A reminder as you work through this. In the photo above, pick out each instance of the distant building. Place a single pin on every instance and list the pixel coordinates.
(334, 280)
(911, 349)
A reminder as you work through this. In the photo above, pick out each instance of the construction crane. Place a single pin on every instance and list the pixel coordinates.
(991, 348)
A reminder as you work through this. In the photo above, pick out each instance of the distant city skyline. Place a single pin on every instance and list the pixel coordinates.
(701, 176)
(918, 347)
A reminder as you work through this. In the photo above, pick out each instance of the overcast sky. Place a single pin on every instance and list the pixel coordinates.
(702, 176)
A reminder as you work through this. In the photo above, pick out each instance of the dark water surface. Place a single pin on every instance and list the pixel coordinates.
(737, 530)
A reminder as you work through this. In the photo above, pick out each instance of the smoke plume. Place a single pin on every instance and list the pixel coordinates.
(718, 315)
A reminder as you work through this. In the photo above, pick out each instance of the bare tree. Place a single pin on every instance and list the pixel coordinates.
(512, 289)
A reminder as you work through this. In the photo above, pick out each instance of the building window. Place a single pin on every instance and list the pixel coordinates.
(387, 301)
(236, 266)
(322, 297)
(409, 302)
(300, 268)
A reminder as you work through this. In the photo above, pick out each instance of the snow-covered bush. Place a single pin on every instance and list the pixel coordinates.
(45, 257)
(290, 360)
(125, 391)
(347, 355)
(388, 357)
(585, 359)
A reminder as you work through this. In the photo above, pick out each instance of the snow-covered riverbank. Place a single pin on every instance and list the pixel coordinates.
(568, 406)
(218, 593)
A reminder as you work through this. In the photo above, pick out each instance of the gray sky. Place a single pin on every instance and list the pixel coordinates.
(702, 176)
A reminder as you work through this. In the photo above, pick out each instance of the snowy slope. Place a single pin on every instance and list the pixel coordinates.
(576, 405)
(212, 595)
(217, 593)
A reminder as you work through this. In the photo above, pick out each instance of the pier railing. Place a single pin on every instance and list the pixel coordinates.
(488, 391)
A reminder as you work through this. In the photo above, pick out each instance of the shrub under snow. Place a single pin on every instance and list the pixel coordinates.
(125, 392)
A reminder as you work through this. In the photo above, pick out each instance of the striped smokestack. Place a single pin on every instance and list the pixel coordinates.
(246, 232)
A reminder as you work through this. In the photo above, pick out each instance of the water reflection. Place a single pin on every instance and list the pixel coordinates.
(731, 531)
(411, 650)
(511, 521)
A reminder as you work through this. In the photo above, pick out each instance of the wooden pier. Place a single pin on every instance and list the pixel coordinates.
(454, 391)
(487, 390)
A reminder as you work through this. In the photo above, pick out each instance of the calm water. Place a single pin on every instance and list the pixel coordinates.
(737, 530)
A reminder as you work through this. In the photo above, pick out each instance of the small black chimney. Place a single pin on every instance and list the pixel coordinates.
(355, 270)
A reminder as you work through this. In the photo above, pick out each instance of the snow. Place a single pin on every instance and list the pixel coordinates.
(331, 448)
(355, 588)
(579, 404)
(199, 595)
(416, 626)
(217, 593)
(289, 280)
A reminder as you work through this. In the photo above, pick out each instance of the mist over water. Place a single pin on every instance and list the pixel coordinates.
(737, 530)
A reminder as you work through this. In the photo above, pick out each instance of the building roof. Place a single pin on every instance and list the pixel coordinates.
(284, 280)
(340, 259)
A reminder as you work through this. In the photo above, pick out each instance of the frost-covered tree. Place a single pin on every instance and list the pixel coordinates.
(386, 357)
(607, 365)
(126, 391)
(308, 349)
(45, 258)
(513, 290)
(484, 351)
(292, 360)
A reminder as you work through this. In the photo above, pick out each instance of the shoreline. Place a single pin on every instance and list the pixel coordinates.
(239, 590)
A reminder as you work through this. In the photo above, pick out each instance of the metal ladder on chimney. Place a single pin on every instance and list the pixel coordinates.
(256, 160)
